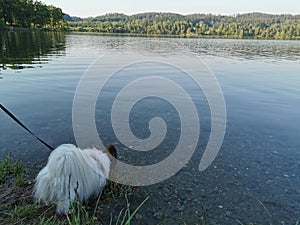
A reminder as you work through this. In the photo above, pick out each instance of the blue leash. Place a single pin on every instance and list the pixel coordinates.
(22, 125)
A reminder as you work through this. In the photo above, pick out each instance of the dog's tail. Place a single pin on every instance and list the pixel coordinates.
(53, 182)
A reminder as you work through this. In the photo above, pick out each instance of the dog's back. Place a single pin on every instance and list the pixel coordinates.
(71, 171)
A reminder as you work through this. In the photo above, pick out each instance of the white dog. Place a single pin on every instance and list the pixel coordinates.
(71, 171)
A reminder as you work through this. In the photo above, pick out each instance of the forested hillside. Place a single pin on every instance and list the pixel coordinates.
(252, 25)
(30, 14)
(35, 14)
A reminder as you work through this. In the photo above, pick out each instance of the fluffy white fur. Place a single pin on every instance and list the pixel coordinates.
(70, 171)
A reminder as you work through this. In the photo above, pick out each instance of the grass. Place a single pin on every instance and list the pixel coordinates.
(12, 169)
(17, 205)
(80, 216)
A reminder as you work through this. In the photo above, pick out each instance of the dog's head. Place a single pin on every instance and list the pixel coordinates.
(111, 150)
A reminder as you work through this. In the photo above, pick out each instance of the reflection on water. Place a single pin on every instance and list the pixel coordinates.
(265, 50)
(247, 49)
(21, 50)
(26, 49)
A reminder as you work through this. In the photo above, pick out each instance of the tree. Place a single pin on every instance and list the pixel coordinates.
(23, 13)
(8, 10)
(27, 13)
(56, 16)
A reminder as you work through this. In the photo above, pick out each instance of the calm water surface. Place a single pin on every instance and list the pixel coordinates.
(255, 177)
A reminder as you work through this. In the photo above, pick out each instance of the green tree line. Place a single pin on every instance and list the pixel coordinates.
(30, 14)
(251, 25)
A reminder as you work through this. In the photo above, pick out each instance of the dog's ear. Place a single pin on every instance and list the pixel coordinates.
(111, 150)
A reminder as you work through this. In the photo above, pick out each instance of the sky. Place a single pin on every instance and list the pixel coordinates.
(86, 8)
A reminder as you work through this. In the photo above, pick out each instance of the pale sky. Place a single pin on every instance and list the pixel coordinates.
(86, 8)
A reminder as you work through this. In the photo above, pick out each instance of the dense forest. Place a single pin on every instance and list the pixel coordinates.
(251, 25)
(30, 14)
(35, 14)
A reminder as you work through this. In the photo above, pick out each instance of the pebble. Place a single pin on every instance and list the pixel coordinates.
(181, 196)
(268, 181)
(138, 216)
(158, 215)
(189, 190)
(228, 213)
(180, 208)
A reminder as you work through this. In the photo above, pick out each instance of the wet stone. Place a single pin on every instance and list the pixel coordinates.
(180, 208)
(228, 213)
(138, 216)
(158, 215)
(181, 195)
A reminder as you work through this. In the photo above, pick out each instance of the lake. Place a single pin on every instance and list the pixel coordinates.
(255, 177)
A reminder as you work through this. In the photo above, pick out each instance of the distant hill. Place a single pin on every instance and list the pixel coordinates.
(249, 25)
(69, 18)
(255, 17)
(174, 16)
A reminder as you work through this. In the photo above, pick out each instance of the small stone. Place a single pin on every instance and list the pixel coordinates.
(181, 196)
(158, 215)
(189, 190)
(166, 190)
(138, 216)
(228, 213)
(180, 208)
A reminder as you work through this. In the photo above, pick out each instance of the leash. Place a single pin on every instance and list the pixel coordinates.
(22, 125)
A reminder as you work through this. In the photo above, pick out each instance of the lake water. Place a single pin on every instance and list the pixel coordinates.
(255, 178)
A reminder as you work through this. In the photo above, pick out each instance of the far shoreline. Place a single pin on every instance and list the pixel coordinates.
(21, 29)
(179, 36)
